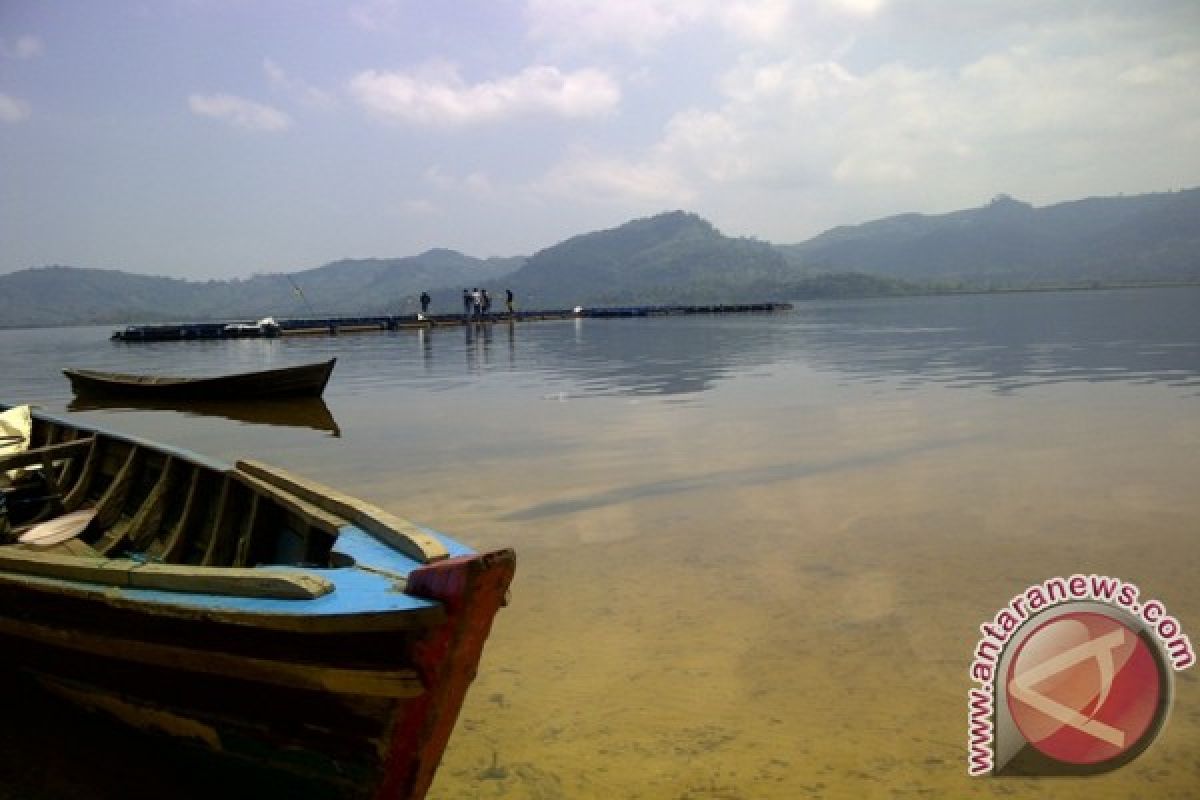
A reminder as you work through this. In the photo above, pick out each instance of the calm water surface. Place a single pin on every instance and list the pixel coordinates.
(754, 550)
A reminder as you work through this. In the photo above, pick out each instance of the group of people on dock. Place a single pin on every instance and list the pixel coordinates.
(477, 303)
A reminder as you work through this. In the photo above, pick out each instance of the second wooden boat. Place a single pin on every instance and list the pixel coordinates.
(304, 380)
(242, 609)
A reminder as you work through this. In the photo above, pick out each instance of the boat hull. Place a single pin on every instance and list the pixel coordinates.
(368, 717)
(306, 380)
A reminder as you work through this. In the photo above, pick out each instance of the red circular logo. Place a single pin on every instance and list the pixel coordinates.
(1083, 688)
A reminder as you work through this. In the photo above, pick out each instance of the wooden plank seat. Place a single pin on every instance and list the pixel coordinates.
(388, 528)
(30, 478)
(124, 572)
(71, 547)
(46, 455)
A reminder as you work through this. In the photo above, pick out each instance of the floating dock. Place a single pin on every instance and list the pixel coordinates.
(329, 326)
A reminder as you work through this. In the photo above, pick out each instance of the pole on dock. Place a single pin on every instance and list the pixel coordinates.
(311, 310)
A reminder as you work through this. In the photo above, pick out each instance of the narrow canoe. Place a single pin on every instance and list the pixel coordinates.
(304, 380)
(253, 612)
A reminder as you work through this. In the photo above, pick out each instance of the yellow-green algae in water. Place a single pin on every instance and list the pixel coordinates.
(787, 607)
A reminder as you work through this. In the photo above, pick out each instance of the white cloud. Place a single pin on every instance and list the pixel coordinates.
(867, 169)
(239, 112)
(377, 15)
(437, 95)
(644, 24)
(761, 20)
(438, 179)
(478, 183)
(304, 93)
(859, 8)
(12, 109)
(637, 23)
(706, 144)
(475, 183)
(23, 48)
(275, 73)
(1047, 112)
(418, 207)
(793, 82)
(588, 177)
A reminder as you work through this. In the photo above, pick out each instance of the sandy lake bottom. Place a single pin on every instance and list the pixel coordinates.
(803, 627)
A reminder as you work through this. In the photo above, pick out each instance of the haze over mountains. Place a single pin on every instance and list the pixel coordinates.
(676, 257)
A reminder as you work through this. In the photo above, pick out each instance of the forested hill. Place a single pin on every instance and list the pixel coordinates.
(675, 257)
(670, 258)
(1152, 237)
(67, 295)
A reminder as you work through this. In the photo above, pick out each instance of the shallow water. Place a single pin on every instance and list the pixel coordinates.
(754, 551)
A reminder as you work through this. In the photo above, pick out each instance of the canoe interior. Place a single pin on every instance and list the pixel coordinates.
(160, 506)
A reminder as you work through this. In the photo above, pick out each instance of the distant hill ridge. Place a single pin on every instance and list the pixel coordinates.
(675, 257)
(1150, 237)
(67, 295)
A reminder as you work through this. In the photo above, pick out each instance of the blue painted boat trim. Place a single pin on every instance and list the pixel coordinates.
(357, 591)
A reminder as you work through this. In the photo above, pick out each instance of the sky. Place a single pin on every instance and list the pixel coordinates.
(223, 138)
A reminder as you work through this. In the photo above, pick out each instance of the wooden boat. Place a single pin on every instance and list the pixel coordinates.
(244, 609)
(305, 380)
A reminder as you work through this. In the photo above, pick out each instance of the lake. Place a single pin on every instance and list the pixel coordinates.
(754, 551)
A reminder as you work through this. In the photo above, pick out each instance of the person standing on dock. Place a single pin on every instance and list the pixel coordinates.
(466, 304)
(424, 302)
(508, 301)
(477, 301)
(486, 301)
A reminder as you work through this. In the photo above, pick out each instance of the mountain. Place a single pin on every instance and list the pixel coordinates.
(1152, 237)
(388, 285)
(64, 295)
(67, 295)
(674, 257)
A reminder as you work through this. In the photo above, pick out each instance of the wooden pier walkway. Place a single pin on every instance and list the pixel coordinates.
(326, 326)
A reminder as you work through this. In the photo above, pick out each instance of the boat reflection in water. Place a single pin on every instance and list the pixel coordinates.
(295, 412)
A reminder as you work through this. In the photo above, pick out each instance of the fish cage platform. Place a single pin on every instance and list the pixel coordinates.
(330, 326)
